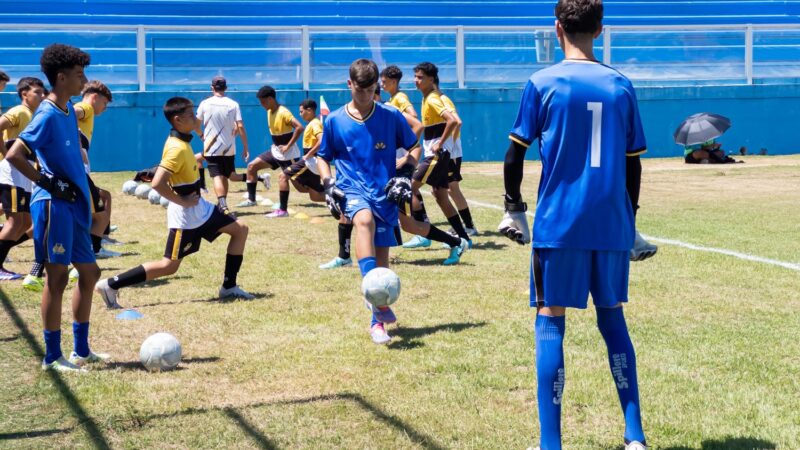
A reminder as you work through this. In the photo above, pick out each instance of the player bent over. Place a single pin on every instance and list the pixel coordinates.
(60, 205)
(361, 139)
(586, 118)
(190, 217)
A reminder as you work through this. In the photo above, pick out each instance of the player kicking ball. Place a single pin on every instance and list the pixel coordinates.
(361, 139)
(190, 218)
(586, 118)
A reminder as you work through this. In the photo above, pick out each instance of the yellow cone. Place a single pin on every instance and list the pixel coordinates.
(317, 220)
(302, 216)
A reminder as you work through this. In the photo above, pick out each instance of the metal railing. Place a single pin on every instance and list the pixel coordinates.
(314, 57)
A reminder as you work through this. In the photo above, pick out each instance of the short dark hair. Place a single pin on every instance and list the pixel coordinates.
(392, 72)
(175, 107)
(428, 69)
(97, 87)
(59, 57)
(4, 77)
(309, 103)
(25, 84)
(363, 72)
(266, 92)
(580, 16)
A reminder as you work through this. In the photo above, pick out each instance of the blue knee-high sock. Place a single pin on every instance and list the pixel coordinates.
(622, 359)
(365, 265)
(52, 345)
(550, 378)
(80, 336)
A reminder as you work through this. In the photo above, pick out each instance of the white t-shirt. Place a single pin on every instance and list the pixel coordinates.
(189, 218)
(219, 116)
(9, 175)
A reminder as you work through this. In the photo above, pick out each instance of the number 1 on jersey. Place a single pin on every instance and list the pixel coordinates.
(597, 126)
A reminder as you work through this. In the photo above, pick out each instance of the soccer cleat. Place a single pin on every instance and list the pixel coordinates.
(469, 243)
(32, 283)
(62, 365)
(113, 228)
(111, 241)
(277, 213)
(246, 204)
(642, 249)
(235, 292)
(456, 253)
(471, 231)
(73, 275)
(266, 179)
(417, 242)
(80, 361)
(383, 314)
(105, 254)
(635, 445)
(336, 262)
(110, 296)
(379, 335)
(7, 275)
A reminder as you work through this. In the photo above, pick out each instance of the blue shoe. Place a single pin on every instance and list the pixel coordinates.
(383, 314)
(417, 242)
(469, 244)
(456, 253)
(337, 262)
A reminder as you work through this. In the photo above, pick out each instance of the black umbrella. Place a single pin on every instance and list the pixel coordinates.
(701, 127)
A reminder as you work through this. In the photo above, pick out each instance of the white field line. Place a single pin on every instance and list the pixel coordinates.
(700, 248)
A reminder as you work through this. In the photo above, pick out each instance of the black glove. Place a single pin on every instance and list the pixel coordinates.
(398, 190)
(334, 197)
(58, 187)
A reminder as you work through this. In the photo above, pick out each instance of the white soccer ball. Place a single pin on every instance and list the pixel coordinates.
(129, 187)
(160, 351)
(142, 191)
(154, 197)
(164, 202)
(381, 286)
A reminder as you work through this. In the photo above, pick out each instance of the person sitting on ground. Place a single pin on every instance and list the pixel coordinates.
(709, 152)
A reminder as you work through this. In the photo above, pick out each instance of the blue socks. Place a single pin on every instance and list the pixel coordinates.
(52, 345)
(80, 333)
(365, 265)
(622, 360)
(550, 378)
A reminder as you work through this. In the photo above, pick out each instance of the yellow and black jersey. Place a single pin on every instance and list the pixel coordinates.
(433, 109)
(86, 125)
(312, 134)
(19, 117)
(400, 101)
(280, 125)
(452, 108)
(178, 159)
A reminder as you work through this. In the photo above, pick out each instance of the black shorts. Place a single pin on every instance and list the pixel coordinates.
(300, 173)
(274, 162)
(454, 171)
(98, 205)
(221, 166)
(407, 171)
(182, 243)
(433, 170)
(14, 199)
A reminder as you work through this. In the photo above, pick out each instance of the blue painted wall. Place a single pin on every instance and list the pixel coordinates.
(130, 135)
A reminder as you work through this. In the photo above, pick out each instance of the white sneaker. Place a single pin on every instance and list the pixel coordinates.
(62, 365)
(105, 254)
(379, 335)
(635, 445)
(471, 231)
(267, 180)
(235, 292)
(73, 275)
(246, 204)
(110, 296)
(111, 241)
(642, 249)
(80, 361)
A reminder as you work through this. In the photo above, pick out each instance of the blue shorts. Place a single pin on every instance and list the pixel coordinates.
(566, 277)
(57, 237)
(387, 232)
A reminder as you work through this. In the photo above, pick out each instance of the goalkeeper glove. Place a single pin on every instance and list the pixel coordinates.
(398, 190)
(57, 187)
(515, 223)
(333, 197)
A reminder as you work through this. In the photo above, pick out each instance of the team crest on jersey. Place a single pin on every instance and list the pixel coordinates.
(67, 143)
(380, 146)
(58, 249)
(22, 201)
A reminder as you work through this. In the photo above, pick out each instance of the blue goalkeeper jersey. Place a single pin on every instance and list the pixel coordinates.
(586, 118)
(363, 151)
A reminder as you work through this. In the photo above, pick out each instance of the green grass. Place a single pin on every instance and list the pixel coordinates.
(716, 336)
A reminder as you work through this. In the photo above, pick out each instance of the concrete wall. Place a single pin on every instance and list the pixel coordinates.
(130, 135)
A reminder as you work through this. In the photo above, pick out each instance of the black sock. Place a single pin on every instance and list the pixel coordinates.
(222, 202)
(232, 265)
(134, 276)
(5, 247)
(107, 231)
(455, 222)
(202, 178)
(37, 270)
(260, 177)
(423, 215)
(284, 195)
(22, 239)
(96, 243)
(438, 235)
(251, 191)
(466, 216)
(345, 232)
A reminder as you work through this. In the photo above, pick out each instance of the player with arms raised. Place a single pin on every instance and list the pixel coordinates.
(586, 118)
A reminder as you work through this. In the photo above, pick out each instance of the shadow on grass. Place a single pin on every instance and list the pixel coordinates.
(410, 336)
(487, 245)
(126, 366)
(98, 438)
(428, 262)
(258, 296)
(10, 338)
(33, 434)
(730, 443)
(239, 213)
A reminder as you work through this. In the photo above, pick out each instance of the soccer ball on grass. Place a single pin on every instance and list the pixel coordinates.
(160, 351)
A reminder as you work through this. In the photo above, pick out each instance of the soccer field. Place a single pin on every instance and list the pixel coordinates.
(715, 334)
